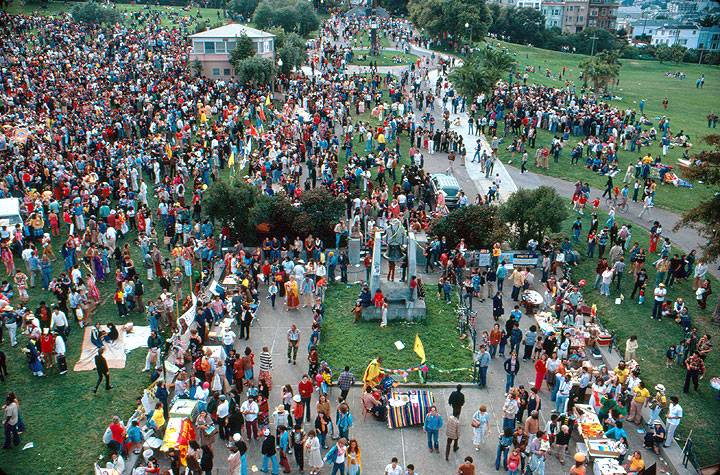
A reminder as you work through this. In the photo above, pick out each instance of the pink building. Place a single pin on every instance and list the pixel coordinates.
(213, 47)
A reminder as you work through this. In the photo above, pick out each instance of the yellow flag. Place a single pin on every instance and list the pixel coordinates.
(231, 160)
(419, 349)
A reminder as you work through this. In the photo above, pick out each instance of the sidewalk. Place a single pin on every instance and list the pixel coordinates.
(685, 238)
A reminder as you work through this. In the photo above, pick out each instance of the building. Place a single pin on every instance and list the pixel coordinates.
(553, 12)
(212, 48)
(573, 16)
(602, 14)
(683, 35)
(536, 4)
(709, 39)
(683, 7)
(646, 26)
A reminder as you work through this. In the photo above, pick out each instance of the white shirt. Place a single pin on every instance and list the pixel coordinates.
(228, 337)
(58, 319)
(250, 410)
(389, 470)
(660, 293)
(223, 409)
(59, 345)
(674, 411)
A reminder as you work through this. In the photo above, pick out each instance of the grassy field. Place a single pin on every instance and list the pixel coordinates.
(655, 338)
(170, 16)
(687, 110)
(355, 344)
(386, 58)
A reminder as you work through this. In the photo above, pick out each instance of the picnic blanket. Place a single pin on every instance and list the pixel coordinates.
(115, 351)
(408, 408)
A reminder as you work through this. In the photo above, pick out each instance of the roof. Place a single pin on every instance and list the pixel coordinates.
(232, 30)
(9, 207)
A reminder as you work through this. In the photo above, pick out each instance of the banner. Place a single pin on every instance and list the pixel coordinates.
(512, 258)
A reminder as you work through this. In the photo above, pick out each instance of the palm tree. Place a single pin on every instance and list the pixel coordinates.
(602, 69)
(481, 71)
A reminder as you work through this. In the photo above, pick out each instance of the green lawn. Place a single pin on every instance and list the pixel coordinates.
(687, 110)
(170, 16)
(363, 39)
(386, 58)
(355, 344)
(655, 338)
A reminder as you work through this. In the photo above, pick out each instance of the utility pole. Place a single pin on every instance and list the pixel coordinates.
(592, 48)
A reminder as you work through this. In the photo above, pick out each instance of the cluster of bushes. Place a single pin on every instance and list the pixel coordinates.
(251, 216)
(93, 12)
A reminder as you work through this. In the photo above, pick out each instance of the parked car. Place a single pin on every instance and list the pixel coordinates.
(449, 185)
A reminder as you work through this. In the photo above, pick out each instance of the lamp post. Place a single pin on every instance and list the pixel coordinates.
(592, 48)
(374, 49)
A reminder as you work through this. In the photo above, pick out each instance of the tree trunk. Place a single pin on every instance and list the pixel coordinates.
(716, 312)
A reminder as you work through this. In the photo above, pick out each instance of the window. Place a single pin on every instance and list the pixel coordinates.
(231, 46)
(226, 72)
(220, 47)
(259, 47)
(216, 72)
(209, 47)
(580, 18)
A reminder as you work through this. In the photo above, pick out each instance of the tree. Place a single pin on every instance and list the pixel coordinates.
(705, 217)
(263, 16)
(93, 12)
(521, 25)
(532, 214)
(396, 7)
(291, 51)
(245, 48)
(230, 203)
(481, 71)
(674, 53)
(441, 17)
(602, 69)
(480, 226)
(319, 212)
(709, 20)
(255, 70)
(243, 8)
(583, 42)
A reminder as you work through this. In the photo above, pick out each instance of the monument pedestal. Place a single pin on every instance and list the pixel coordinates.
(354, 246)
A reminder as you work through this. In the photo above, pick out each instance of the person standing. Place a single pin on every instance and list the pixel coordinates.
(269, 453)
(639, 400)
(432, 425)
(345, 382)
(250, 411)
(467, 467)
(452, 431)
(512, 367)
(101, 366)
(456, 400)
(631, 346)
(695, 367)
(293, 339)
(659, 297)
(674, 416)
(483, 363)
(11, 417)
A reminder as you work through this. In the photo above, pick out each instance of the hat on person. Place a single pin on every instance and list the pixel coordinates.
(657, 422)
(579, 457)
(222, 397)
(237, 437)
(297, 398)
(660, 387)
(205, 385)
(280, 408)
(661, 285)
(266, 432)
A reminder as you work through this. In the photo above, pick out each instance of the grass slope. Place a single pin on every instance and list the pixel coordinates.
(355, 344)
(687, 110)
(655, 338)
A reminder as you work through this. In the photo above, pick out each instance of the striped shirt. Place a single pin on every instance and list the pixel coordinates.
(265, 361)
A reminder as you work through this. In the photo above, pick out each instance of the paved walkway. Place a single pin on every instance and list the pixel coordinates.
(685, 238)
(378, 443)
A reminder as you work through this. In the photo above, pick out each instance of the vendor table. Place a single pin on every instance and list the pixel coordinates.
(607, 466)
(184, 408)
(172, 432)
(408, 408)
(591, 431)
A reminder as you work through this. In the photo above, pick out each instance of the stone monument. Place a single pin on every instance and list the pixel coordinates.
(399, 246)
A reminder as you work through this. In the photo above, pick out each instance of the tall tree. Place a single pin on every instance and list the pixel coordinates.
(245, 48)
(532, 214)
(481, 71)
(442, 18)
(602, 69)
(705, 217)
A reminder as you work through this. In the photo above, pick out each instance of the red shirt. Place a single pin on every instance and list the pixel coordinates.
(305, 389)
(118, 432)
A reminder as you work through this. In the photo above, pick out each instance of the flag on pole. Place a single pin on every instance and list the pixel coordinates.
(419, 349)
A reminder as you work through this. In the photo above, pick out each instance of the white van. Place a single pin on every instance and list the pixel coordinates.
(10, 212)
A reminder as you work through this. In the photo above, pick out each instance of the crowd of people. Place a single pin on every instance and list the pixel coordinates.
(110, 142)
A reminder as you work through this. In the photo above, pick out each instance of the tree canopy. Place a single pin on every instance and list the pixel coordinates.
(532, 214)
(93, 12)
(441, 17)
(480, 72)
(244, 49)
(243, 8)
(290, 48)
(295, 16)
(522, 25)
(602, 69)
(479, 225)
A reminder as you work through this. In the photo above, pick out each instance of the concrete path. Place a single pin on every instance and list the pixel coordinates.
(378, 443)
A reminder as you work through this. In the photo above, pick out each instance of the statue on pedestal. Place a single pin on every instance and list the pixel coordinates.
(395, 239)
